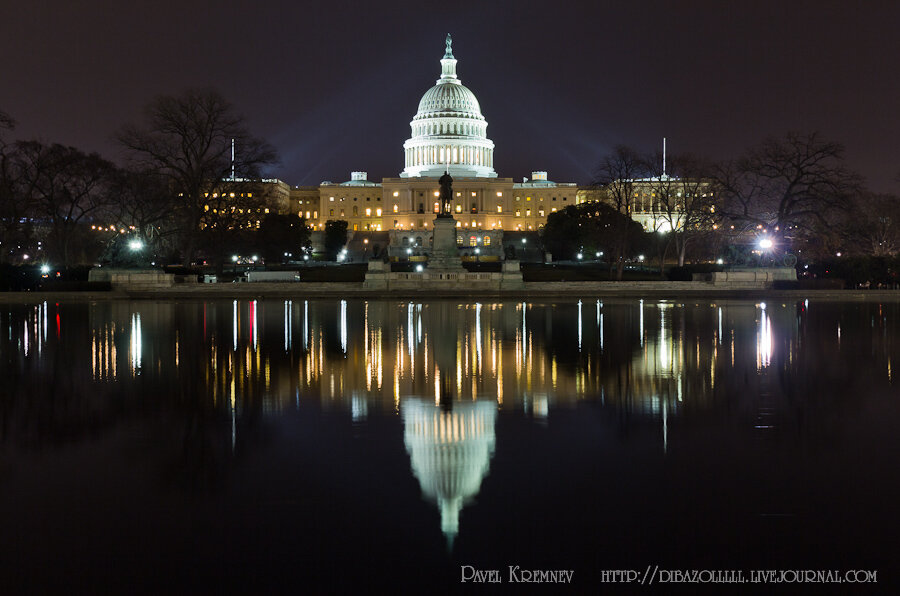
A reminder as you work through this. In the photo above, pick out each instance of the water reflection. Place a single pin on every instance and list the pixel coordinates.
(450, 451)
(213, 373)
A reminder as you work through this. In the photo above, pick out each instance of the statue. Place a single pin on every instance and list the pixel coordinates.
(446, 182)
(448, 53)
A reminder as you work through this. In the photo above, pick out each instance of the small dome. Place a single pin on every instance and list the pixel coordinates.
(447, 97)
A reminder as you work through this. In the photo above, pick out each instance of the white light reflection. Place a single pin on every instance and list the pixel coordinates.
(579, 325)
(288, 323)
(642, 323)
(763, 339)
(478, 333)
(234, 323)
(305, 325)
(720, 325)
(136, 343)
(344, 326)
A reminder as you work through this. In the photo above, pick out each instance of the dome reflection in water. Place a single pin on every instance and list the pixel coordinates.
(578, 434)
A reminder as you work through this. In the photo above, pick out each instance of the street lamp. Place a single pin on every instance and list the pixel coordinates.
(136, 244)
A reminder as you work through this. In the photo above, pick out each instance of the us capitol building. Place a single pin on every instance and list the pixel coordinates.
(449, 133)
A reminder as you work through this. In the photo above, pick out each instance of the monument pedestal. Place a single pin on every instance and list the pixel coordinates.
(444, 253)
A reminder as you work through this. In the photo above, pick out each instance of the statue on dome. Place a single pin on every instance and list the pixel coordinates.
(446, 182)
(448, 53)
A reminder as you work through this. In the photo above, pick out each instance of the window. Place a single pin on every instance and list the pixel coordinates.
(378, 211)
(307, 215)
(368, 212)
(396, 208)
(499, 208)
(541, 212)
(487, 240)
(342, 213)
(405, 240)
(518, 213)
(355, 210)
(473, 240)
(331, 212)
(459, 208)
(396, 193)
(437, 207)
(331, 199)
(528, 213)
(421, 207)
(418, 241)
(315, 215)
(474, 207)
(459, 239)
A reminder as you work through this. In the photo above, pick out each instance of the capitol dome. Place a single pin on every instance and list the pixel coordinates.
(449, 131)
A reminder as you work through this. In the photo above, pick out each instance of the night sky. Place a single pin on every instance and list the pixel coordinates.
(333, 85)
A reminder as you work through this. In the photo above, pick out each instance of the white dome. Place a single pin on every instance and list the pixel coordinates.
(452, 100)
(449, 133)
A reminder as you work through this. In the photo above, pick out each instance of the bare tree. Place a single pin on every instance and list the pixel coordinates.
(67, 188)
(188, 138)
(144, 202)
(613, 184)
(875, 224)
(684, 202)
(13, 207)
(786, 185)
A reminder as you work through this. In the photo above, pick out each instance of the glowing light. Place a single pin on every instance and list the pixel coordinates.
(765, 243)
(135, 244)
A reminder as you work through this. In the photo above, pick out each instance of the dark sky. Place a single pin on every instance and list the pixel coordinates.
(334, 84)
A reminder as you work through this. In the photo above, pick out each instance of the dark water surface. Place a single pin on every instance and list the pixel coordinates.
(271, 445)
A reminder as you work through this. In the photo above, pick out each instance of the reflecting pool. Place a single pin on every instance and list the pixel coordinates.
(281, 444)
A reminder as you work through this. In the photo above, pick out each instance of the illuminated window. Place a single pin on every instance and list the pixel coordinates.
(518, 213)
(499, 194)
(396, 208)
(459, 208)
(355, 227)
(342, 213)
(315, 215)
(528, 213)
(459, 239)
(437, 207)
(473, 240)
(487, 240)
(541, 212)
(437, 193)
(473, 193)
(267, 210)
(378, 211)
(307, 215)
(499, 208)
(396, 193)
(331, 199)
(527, 198)
(368, 212)
(250, 194)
